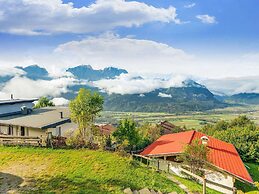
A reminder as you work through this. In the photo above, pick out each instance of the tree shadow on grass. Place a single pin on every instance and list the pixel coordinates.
(9, 182)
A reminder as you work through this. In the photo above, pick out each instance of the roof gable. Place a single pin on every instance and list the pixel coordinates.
(222, 154)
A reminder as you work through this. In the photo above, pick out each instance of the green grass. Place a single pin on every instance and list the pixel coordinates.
(194, 186)
(79, 171)
(254, 172)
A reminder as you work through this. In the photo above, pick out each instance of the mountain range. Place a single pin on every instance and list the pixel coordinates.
(86, 72)
(190, 96)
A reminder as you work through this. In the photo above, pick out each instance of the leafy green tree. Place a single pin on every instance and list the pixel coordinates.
(148, 133)
(241, 121)
(127, 132)
(44, 102)
(195, 156)
(245, 139)
(241, 132)
(84, 109)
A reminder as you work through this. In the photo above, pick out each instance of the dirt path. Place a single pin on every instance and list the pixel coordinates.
(17, 178)
(182, 186)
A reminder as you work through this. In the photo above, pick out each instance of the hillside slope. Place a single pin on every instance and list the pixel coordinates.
(74, 171)
(170, 100)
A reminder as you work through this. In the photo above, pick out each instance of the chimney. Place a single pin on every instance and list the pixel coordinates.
(204, 140)
(11, 96)
(61, 115)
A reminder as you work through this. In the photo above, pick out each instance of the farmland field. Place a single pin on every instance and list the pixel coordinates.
(190, 120)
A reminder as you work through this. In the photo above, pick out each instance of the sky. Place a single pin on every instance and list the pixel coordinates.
(212, 39)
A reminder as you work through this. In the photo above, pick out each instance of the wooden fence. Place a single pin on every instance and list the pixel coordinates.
(164, 165)
(17, 140)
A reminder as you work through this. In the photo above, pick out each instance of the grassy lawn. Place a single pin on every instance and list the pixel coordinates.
(194, 186)
(254, 172)
(77, 171)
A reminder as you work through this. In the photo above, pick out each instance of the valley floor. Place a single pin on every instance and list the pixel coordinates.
(192, 120)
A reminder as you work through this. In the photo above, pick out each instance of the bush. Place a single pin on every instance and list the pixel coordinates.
(76, 140)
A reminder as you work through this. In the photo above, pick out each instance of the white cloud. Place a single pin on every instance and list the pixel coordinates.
(60, 101)
(232, 86)
(190, 5)
(128, 84)
(206, 19)
(10, 71)
(26, 88)
(163, 95)
(131, 54)
(35, 17)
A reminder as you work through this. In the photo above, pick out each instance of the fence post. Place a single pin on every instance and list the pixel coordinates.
(168, 167)
(204, 186)
(158, 165)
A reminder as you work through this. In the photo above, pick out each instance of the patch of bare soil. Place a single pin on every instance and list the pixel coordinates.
(18, 178)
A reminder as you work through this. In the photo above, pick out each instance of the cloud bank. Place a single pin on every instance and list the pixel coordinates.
(36, 17)
(129, 53)
(232, 86)
(22, 87)
(130, 84)
(60, 101)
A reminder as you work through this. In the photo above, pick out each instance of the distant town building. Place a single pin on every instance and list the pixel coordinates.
(168, 128)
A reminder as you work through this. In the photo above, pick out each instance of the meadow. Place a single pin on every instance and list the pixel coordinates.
(39, 170)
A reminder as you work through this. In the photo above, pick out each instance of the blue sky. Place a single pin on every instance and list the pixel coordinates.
(220, 37)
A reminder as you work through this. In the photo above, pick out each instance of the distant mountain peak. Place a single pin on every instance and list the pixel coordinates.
(86, 72)
(192, 83)
(35, 72)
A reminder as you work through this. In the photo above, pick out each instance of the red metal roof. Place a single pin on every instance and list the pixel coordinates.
(222, 154)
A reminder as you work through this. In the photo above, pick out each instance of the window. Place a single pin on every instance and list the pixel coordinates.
(22, 131)
(10, 130)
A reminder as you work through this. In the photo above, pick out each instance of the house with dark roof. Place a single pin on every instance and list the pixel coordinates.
(14, 106)
(19, 119)
(168, 128)
(223, 157)
(106, 129)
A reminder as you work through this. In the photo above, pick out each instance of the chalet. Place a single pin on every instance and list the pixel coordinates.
(223, 157)
(106, 129)
(168, 128)
(19, 119)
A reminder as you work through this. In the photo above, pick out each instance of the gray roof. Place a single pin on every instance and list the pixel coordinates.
(43, 118)
(14, 101)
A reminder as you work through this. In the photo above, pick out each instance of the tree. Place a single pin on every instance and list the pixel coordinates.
(127, 132)
(241, 132)
(44, 102)
(245, 139)
(84, 109)
(195, 156)
(148, 134)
